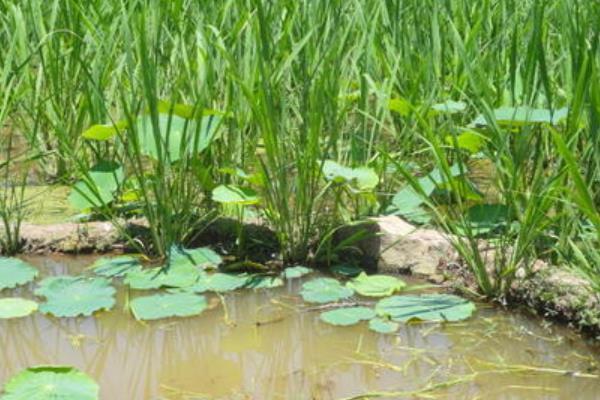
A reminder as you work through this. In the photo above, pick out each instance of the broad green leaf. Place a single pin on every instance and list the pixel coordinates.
(296, 272)
(104, 132)
(375, 285)
(362, 178)
(427, 307)
(72, 296)
(200, 257)
(97, 189)
(520, 116)
(468, 140)
(346, 270)
(16, 307)
(407, 201)
(347, 316)
(167, 305)
(449, 107)
(484, 218)
(176, 136)
(324, 290)
(218, 282)
(381, 325)
(230, 194)
(400, 106)
(51, 382)
(263, 282)
(176, 276)
(15, 272)
(179, 109)
(115, 267)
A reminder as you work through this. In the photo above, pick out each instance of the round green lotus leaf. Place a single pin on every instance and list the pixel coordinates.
(15, 272)
(72, 296)
(167, 305)
(115, 267)
(220, 282)
(376, 285)
(200, 257)
(177, 276)
(347, 316)
(16, 307)
(381, 325)
(51, 382)
(296, 272)
(263, 282)
(324, 290)
(427, 307)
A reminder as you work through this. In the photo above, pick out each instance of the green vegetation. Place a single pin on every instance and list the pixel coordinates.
(480, 118)
(51, 382)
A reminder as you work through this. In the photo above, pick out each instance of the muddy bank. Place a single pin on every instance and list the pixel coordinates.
(393, 246)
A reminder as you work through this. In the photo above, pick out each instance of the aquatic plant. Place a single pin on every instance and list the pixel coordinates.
(51, 382)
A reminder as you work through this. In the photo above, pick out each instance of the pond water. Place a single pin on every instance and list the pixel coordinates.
(269, 345)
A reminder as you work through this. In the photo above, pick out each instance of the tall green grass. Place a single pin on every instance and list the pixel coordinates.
(301, 82)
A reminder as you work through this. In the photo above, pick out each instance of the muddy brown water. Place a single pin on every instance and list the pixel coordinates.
(261, 349)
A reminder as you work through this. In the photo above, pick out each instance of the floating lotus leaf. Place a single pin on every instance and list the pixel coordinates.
(296, 272)
(347, 316)
(16, 307)
(427, 307)
(200, 257)
(71, 296)
(324, 290)
(177, 276)
(376, 285)
(218, 282)
(51, 382)
(115, 267)
(381, 325)
(167, 305)
(346, 270)
(14, 272)
(263, 282)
